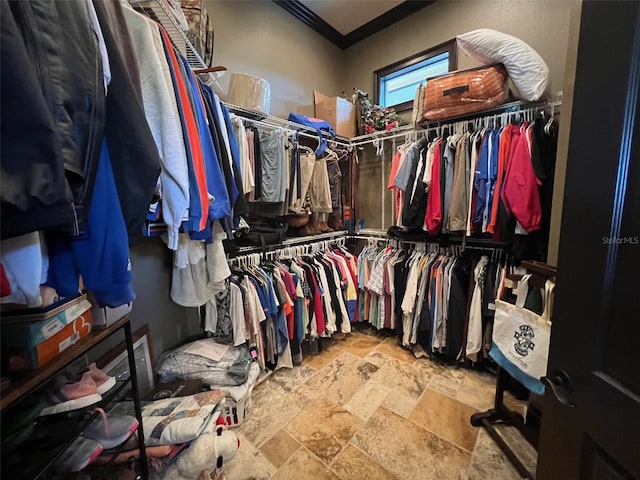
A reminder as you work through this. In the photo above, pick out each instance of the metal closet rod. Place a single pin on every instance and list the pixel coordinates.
(264, 124)
(387, 137)
(293, 241)
(507, 109)
(418, 242)
(465, 242)
(276, 121)
(289, 131)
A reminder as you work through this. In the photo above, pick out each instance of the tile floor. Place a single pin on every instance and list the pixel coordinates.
(367, 409)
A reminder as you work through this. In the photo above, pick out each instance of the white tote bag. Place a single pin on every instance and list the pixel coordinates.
(520, 340)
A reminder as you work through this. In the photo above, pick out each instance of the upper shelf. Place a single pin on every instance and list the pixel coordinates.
(553, 101)
(270, 120)
(161, 12)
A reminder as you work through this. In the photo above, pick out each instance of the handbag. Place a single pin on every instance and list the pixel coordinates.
(520, 339)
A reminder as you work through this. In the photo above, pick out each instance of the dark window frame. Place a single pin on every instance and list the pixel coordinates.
(450, 46)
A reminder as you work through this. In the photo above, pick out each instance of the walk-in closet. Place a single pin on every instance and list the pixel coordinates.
(321, 240)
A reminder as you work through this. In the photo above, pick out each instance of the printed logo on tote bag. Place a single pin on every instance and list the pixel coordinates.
(524, 341)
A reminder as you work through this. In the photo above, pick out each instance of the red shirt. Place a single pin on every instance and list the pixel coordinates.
(433, 214)
(520, 191)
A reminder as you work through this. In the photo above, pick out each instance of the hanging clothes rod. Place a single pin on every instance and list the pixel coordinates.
(291, 242)
(372, 232)
(329, 140)
(507, 109)
(316, 238)
(511, 107)
(418, 242)
(276, 121)
(395, 132)
(404, 133)
(260, 123)
(290, 131)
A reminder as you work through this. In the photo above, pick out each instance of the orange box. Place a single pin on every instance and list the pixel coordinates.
(35, 357)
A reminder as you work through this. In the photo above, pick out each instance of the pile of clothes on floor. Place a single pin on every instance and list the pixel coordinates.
(225, 368)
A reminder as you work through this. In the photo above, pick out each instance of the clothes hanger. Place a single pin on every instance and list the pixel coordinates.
(547, 127)
(331, 155)
(304, 148)
(218, 68)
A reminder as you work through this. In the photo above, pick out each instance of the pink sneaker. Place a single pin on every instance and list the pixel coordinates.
(103, 382)
(111, 430)
(72, 396)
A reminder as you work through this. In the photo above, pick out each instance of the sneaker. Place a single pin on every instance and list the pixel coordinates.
(72, 396)
(111, 430)
(74, 374)
(81, 453)
(103, 382)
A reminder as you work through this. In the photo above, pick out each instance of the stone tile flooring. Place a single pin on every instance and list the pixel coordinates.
(367, 409)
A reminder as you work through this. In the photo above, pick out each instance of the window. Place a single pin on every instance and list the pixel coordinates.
(396, 84)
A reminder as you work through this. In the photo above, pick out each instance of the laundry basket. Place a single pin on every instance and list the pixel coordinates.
(234, 412)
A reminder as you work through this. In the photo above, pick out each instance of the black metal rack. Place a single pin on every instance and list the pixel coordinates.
(70, 425)
(500, 413)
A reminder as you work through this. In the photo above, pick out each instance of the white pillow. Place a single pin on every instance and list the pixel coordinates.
(527, 70)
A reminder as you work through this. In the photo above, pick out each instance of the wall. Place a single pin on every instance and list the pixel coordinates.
(260, 38)
(563, 134)
(169, 323)
(542, 24)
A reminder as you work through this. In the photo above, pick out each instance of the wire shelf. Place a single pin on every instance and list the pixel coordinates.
(282, 123)
(159, 11)
(512, 107)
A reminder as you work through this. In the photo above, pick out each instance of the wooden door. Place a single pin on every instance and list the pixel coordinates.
(591, 424)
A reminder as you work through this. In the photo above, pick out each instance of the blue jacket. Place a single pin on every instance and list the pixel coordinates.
(101, 253)
(481, 179)
(493, 170)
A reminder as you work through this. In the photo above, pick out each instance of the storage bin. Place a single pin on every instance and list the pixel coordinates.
(32, 358)
(32, 327)
(234, 412)
(249, 91)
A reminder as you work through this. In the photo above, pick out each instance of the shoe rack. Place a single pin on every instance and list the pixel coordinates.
(56, 433)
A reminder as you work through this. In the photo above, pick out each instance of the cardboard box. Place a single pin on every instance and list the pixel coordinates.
(104, 317)
(340, 113)
(32, 327)
(308, 110)
(39, 355)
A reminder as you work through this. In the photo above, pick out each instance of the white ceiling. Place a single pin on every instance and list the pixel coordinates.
(347, 15)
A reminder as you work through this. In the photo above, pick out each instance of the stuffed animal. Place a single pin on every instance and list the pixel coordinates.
(207, 453)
